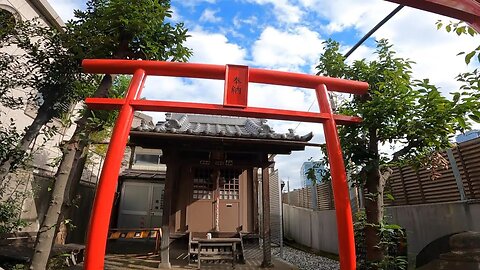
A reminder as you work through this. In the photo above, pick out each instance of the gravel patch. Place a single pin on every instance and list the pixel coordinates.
(306, 261)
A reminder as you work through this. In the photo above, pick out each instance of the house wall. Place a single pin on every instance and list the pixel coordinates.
(35, 182)
(26, 10)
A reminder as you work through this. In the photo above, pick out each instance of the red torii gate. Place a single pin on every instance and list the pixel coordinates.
(235, 104)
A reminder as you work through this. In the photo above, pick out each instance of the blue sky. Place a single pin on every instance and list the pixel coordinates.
(288, 35)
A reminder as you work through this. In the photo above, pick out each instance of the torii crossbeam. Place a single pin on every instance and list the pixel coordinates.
(236, 79)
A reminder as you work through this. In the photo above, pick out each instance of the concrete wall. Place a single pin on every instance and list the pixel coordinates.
(316, 229)
(428, 222)
(424, 224)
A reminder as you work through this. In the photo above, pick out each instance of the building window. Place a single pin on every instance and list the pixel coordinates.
(202, 184)
(229, 184)
(7, 22)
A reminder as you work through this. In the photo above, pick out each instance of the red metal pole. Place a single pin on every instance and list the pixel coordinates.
(102, 207)
(346, 240)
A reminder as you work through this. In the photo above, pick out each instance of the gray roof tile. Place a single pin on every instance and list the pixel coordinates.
(220, 126)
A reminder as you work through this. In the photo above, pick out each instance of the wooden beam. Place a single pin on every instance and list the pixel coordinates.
(132, 157)
(238, 164)
(255, 198)
(141, 138)
(172, 175)
(267, 255)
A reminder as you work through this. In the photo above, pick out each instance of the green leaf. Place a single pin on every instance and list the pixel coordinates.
(390, 196)
(448, 28)
(460, 30)
(471, 31)
(462, 122)
(456, 97)
(475, 118)
(469, 56)
(393, 227)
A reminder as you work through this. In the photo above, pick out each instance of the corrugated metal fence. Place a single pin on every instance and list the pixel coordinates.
(409, 186)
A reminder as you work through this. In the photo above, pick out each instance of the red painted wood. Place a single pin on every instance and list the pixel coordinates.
(236, 86)
(104, 103)
(341, 196)
(102, 206)
(217, 72)
(202, 108)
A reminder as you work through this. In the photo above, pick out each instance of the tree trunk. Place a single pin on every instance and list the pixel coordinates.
(374, 212)
(373, 204)
(73, 181)
(76, 147)
(45, 235)
(43, 116)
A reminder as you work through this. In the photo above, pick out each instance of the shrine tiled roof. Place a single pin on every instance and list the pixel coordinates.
(145, 174)
(219, 126)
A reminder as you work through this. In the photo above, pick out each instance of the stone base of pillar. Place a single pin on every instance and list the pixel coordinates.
(165, 266)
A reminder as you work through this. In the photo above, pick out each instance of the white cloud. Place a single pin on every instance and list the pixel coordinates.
(176, 16)
(284, 10)
(208, 15)
(362, 52)
(214, 48)
(239, 22)
(185, 90)
(289, 50)
(411, 31)
(415, 36)
(209, 48)
(278, 97)
(349, 13)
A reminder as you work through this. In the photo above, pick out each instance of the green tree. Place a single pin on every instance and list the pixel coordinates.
(470, 80)
(410, 115)
(106, 29)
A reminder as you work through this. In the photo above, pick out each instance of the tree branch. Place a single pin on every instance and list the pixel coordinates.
(384, 176)
(405, 150)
